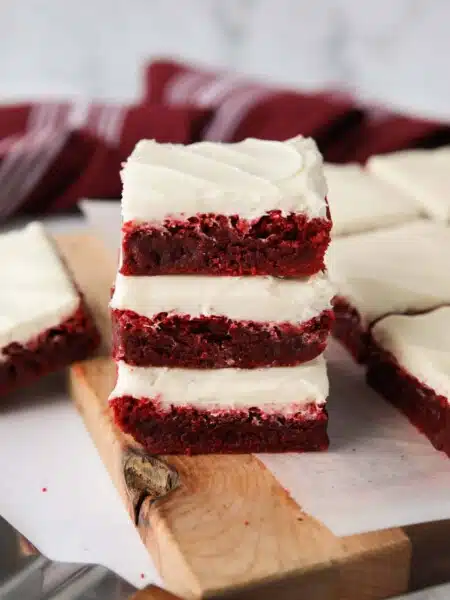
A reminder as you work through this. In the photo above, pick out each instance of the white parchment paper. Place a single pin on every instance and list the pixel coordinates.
(55, 490)
(379, 471)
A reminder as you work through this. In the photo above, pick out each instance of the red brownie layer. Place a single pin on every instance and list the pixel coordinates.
(187, 430)
(72, 340)
(349, 330)
(210, 244)
(428, 411)
(216, 342)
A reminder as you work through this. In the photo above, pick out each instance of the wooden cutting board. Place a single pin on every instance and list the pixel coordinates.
(222, 526)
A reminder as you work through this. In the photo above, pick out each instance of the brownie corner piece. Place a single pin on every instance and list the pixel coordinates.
(47, 325)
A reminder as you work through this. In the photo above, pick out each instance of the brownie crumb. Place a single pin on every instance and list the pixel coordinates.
(290, 245)
(215, 342)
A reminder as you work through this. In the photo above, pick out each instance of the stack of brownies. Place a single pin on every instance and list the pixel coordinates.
(222, 304)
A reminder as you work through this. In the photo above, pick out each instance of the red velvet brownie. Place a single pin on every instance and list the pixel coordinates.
(409, 364)
(252, 208)
(396, 270)
(189, 411)
(217, 322)
(44, 324)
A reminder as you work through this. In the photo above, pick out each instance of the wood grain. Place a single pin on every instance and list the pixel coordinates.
(221, 526)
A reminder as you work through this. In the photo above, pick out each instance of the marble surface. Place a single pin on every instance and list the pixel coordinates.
(390, 52)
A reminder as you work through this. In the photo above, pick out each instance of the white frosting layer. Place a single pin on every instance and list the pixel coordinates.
(361, 202)
(423, 174)
(399, 269)
(36, 291)
(283, 389)
(241, 298)
(248, 178)
(421, 345)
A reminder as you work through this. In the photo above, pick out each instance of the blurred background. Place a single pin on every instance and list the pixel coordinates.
(389, 52)
(81, 82)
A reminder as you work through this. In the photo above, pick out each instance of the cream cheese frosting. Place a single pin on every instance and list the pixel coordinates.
(241, 298)
(400, 269)
(422, 174)
(36, 292)
(420, 344)
(247, 178)
(361, 202)
(279, 389)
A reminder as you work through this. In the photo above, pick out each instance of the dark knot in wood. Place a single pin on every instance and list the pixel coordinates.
(147, 477)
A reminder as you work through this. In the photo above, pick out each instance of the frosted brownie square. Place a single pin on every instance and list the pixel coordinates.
(217, 322)
(44, 324)
(189, 411)
(409, 364)
(256, 207)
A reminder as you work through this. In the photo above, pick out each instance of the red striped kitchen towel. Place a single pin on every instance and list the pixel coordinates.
(344, 131)
(53, 154)
(244, 108)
